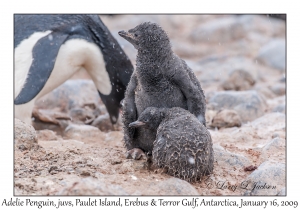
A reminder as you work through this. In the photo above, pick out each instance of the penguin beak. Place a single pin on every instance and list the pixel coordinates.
(136, 124)
(124, 34)
(129, 37)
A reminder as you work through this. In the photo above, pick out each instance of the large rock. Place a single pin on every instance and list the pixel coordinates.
(219, 30)
(272, 120)
(229, 160)
(277, 104)
(24, 135)
(71, 94)
(268, 179)
(91, 186)
(218, 69)
(274, 145)
(274, 149)
(248, 104)
(171, 186)
(273, 54)
(236, 27)
(225, 119)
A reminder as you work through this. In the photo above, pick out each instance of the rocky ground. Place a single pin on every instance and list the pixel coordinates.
(72, 149)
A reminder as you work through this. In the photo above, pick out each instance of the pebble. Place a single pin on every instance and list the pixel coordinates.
(238, 80)
(280, 108)
(24, 135)
(278, 89)
(225, 119)
(47, 135)
(103, 123)
(81, 115)
(80, 132)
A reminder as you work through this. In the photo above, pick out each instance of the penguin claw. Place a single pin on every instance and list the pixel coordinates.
(135, 154)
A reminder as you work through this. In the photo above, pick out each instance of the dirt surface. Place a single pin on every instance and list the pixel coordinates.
(76, 158)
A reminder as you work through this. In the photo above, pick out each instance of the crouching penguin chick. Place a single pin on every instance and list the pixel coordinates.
(183, 145)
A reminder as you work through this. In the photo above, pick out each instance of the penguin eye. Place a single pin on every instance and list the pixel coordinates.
(135, 35)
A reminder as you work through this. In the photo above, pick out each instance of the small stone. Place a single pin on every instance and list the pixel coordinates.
(85, 173)
(114, 162)
(275, 135)
(24, 135)
(52, 168)
(80, 132)
(47, 135)
(250, 168)
(280, 108)
(283, 79)
(226, 118)
(278, 89)
(239, 80)
(81, 114)
(103, 123)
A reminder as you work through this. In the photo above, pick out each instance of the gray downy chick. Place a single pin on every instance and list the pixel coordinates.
(183, 145)
(161, 79)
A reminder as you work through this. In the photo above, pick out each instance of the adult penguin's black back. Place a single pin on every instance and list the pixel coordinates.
(52, 35)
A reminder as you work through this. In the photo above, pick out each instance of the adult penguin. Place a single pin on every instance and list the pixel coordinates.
(49, 49)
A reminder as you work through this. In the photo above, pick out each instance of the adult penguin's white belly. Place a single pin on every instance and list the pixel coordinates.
(73, 55)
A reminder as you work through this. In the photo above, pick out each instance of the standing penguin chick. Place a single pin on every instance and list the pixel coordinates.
(49, 49)
(183, 145)
(161, 79)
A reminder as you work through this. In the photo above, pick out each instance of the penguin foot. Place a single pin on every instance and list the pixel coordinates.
(135, 154)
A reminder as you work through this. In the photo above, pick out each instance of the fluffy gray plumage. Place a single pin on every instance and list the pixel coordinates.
(182, 146)
(161, 79)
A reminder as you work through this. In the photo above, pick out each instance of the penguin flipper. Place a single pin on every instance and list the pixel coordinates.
(192, 91)
(130, 111)
(44, 55)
